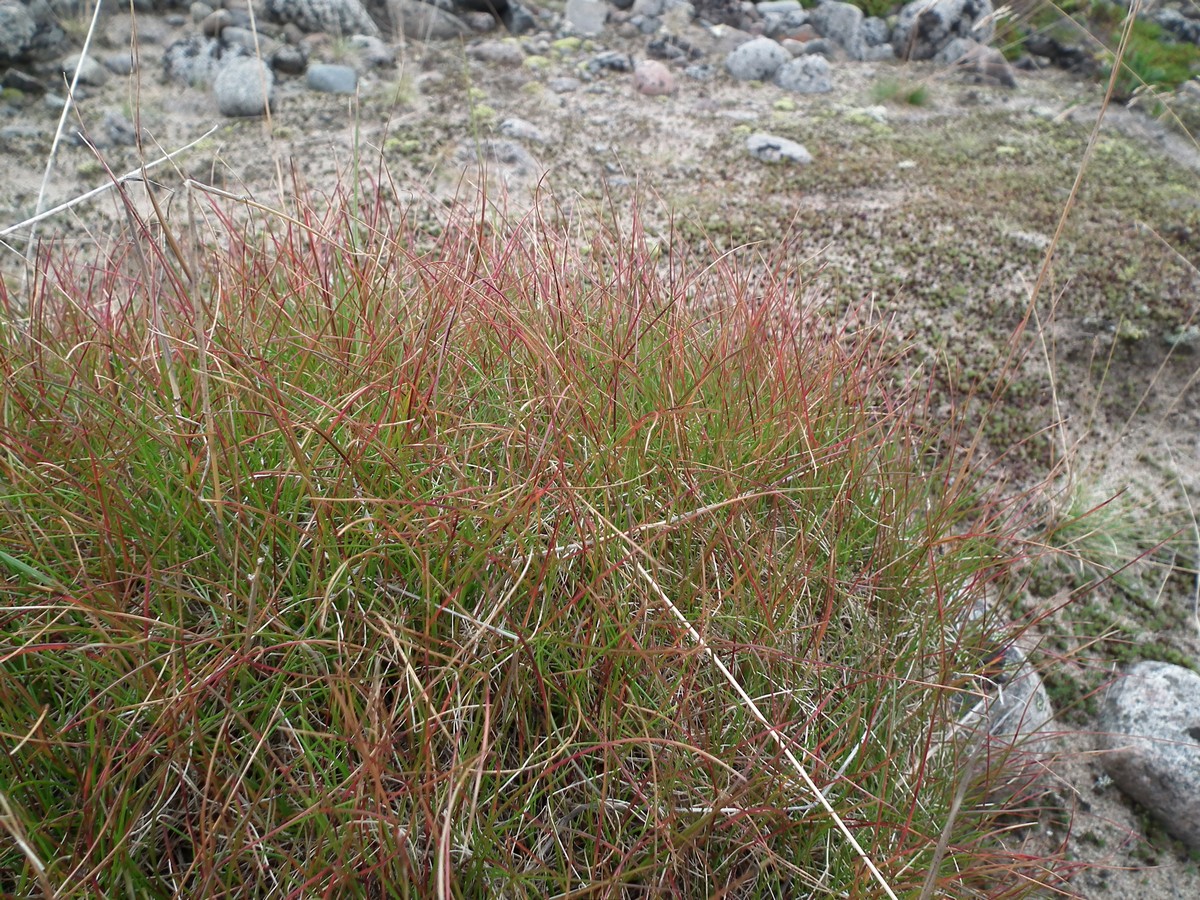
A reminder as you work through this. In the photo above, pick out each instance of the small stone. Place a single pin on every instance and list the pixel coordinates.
(652, 78)
(700, 72)
(772, 149)
(564, 84)
(216, 22)
(586, 17)
(756, 60)
(805, 75)
(481, 22)
(86, 70)
(121, 63)
(518, 20)
(498, 53)
(244, 87)
(521, 130)
(327, 78)
(253, 43)
(17, 80)
(373, 52)
(610, 60)
(423, 22)
(118, 129)
(200, 12)
(289, 59)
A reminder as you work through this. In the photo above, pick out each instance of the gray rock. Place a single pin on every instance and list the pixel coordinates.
(521, 130)
(518, 20)
(85, 69)
(925, 27)
(422, 22)
(373, 52)
(117, 128)
(586, 17)
(244, 87)
(842, 24)
(649, 7)
(955, 50)
(564, 85)
(820, 47)
(498, 53)
(195, 60)
(983, 65)
(1014, 714)
(876, 31)
(256, 44)
(200, 11)
(29, 32)
(327, 78)
(772, 149)
(505, 163)
(336, 17)
(778, 6)
(805, 75)
(610, 61)
(785, 24)
(1150, 738)
(289, 59)
(756, 60)
(22, 81)
(879, 52)
(123, 62)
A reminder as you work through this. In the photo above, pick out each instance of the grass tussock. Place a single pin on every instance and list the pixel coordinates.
(348, 557)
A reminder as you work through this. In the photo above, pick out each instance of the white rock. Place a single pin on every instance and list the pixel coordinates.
(772, 149)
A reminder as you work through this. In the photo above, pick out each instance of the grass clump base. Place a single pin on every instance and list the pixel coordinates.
(345, 555)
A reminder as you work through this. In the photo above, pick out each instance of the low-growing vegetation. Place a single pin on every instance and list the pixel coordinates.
(353, 553)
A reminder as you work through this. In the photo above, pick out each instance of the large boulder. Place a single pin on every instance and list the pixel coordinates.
(1150, 738)
(29, 32)
(926, 26)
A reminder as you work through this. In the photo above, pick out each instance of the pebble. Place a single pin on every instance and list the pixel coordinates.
(652, 78)
(289, 59)
(373, 52)
(86, 69)
(327, 78)
(498, 53)
(611, 60)
(521, 130)
(122, 63)
(772, 149)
